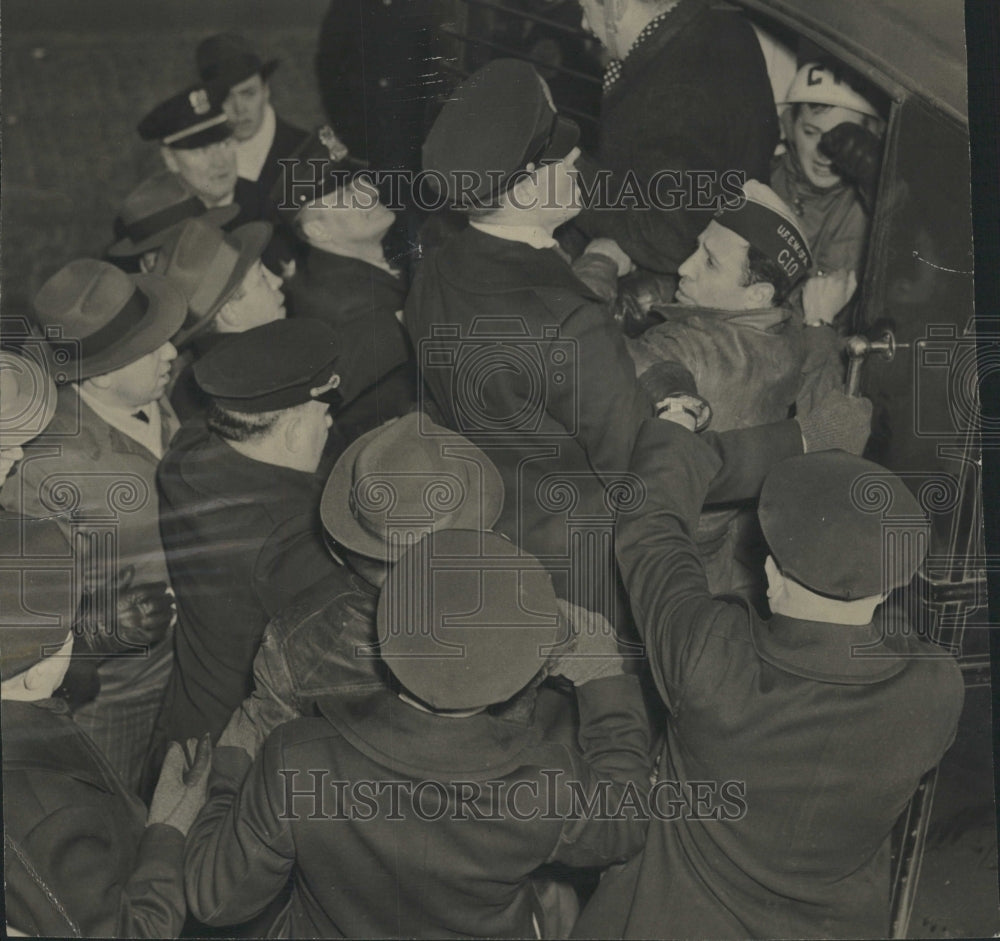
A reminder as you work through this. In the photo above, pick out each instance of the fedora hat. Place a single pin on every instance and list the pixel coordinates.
(208, 265)
(466, 619)
(158, 204)
(406, 478)
(227, 58)
(27, 398)
(104, 319)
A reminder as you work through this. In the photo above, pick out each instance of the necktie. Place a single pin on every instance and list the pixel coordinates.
(142, 416)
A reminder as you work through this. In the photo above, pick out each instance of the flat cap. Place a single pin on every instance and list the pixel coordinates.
(824, 518)
(496, 122)
(191, 118)
(271, 367)
(466, 619)
(38, 592)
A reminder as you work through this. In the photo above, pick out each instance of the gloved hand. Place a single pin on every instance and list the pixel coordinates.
(611, 249)
(180, 791)
(826, 296)
(640, 294)
(856, 154)
(141, 615)
(838, 421)
(591, 651)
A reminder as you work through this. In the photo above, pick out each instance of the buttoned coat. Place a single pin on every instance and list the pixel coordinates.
(821, 733)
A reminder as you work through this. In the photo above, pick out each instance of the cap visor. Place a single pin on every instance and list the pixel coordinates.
(211, 135)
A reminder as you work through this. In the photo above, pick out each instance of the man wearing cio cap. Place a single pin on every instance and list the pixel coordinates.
(797, 712)
(94, 468)
(388, 488)
(688, 114)
(262, 138)
(82, 857)
(228, 291)
(520, 355)
(344, 279)
(196, 143)
(150, 215)
(240, 510)
(445, 809)
(731, 329)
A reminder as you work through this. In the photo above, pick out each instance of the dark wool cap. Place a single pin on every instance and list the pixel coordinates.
(192, 118)
(827, 518)
(277, 365)
(496, 122)
(467, 619)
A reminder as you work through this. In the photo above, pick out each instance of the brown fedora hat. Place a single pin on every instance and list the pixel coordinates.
(27, 398)
(104, 319)
(155, 207)
(466, 619)
(208, 265)
(404, 479)
(227, 58)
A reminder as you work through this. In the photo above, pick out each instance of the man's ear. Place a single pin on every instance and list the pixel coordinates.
(292, 432)
(759, 294)
(524, 193)
(100, 382)
(313, 231)
(170, 160)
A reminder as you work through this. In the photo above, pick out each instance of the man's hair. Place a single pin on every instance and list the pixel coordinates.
(761, 268)
(239, 426)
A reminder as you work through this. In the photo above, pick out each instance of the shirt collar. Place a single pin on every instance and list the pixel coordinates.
(529, 234)
(251, 154)
(148, 434)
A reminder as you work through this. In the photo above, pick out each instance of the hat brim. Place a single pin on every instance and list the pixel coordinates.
(344, 528)
(166, 312)
(252, 238)
(564, 138)
(126, 248)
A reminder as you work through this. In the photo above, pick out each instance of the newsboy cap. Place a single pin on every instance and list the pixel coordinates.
(466, 619)
(274, 366)
(495, 123)
(227, 58)
(38, 593)
(191, 118)
(824, 518)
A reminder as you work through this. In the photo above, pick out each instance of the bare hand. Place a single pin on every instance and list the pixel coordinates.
(825, 297)
(611, 249)
(591, 650)
(181, 789)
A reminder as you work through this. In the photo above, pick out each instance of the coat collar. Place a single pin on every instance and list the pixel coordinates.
(764, 319)
(478, 263)
(651, 49)
(829, 653)
(332, 270)
(99, 436)
(398, 736)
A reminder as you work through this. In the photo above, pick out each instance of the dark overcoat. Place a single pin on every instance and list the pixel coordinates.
(820, 732)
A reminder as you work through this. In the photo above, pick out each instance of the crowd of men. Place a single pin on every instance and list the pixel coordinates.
(519, 587)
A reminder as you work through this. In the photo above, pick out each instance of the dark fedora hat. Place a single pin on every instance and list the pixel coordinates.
(39, 602)
(27, 398)
(466, 619)
(104, 319)
(208, 265)
(403, 479)
(227, 58)
(155, 207)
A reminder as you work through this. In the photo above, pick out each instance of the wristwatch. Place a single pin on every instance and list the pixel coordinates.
(690, 404)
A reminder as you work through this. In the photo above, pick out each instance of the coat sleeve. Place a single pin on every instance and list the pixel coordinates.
(660, 233)
(611, 778)
(240, 849)
(663, 573)
(80, 856)
(605, 405)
